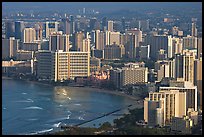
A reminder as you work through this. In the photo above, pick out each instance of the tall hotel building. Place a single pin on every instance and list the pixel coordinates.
(132, 73)
(110, 25)
(190, 42)
(184, 65)
(60, 66)
(173, 101)
(99, 40)
(50, 27)
(29, 35)
(185, 86)
(58, 41)
(161, 106)
(159, 42)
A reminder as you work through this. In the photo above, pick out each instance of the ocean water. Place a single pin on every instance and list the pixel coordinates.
(30, 108)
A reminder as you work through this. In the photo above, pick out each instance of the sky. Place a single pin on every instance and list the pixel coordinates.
(100, 6)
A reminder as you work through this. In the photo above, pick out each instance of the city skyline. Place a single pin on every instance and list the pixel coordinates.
(150, 53)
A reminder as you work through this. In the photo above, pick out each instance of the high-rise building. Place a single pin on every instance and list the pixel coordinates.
(190, 42)
(45, 65)
(188, 68)
(39, 31)
(113, 51)
(86, 45)
(184, 86)
(114, 38)
(99, 40)
(9, 47)
(50, 27)
(136, 32)
(29, 35)
(198, 79)
(163, 72)
(153, 112)
(156, 43)
(144, 52)
(66, 26)
(165, 68)
(78, 44)
(184, 65)
(133, 75)
(110, 25)
(194, 31)
(132, 46)
(92, 24)
(199, 49)
(107, 37)
(19, 26)
(161, 106)
(58, 41)
(72, 24)
(177, 46)
(10, 29)
(116, 77)
(61, 66)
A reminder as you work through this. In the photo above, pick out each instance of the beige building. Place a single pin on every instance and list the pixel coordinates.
(29, 35)
(86, 45)
(177, 46)
(50, 27)
(194, 31)
(99, 40)
(134, 75)
(114, 38)
(188, 68)
(165, 68)
(184, 86)
(60, 66)
(173, 105)
(110, 25)
(184, 65)
(79, 37)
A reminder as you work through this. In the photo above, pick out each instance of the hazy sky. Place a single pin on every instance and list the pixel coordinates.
(100, 6)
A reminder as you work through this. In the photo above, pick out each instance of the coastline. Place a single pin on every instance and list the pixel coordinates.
(93, 89)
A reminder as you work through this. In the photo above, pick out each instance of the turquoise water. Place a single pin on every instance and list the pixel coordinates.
(29, 108)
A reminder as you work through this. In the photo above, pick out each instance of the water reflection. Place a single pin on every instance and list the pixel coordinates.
(61, 94)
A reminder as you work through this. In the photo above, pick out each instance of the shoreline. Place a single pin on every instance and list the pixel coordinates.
(92, 89)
